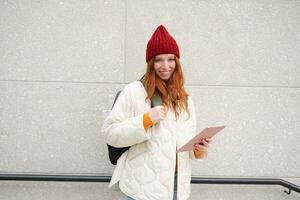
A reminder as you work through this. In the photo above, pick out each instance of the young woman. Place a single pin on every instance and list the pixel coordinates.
(151, 169)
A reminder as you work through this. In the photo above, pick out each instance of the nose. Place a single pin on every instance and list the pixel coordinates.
(165, 64)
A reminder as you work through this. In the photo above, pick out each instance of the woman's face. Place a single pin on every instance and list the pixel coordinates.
(164, 65)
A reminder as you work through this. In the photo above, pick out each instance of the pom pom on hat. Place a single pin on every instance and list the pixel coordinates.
(161, 42)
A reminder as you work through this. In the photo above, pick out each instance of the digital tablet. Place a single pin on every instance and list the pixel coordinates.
(208, 132)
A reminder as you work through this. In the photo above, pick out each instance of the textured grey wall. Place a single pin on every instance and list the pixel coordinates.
(61, 63)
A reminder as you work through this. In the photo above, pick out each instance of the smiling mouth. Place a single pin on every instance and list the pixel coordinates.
(166, 73)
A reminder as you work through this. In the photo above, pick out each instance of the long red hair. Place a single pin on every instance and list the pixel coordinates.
(172, 92)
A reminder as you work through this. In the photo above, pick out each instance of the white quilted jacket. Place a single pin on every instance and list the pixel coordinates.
(146, 170)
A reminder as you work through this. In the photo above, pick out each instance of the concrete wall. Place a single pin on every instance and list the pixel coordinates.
(61, 63)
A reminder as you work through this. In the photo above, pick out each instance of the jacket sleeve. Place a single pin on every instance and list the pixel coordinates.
(121, 127)
(191, 126)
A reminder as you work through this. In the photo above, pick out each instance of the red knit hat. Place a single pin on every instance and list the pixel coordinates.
(161, 42)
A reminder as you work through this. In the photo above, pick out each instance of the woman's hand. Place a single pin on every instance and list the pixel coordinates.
(157, 113)
(203, 145)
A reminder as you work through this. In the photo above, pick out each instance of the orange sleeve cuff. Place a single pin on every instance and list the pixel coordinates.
(147, 121)
(197, 153)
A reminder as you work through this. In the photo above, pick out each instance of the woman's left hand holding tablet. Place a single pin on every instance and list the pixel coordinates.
(203, 145)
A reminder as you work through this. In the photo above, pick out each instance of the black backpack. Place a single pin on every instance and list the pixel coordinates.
(116, 152)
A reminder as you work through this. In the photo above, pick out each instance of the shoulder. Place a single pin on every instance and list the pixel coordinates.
(134, 87)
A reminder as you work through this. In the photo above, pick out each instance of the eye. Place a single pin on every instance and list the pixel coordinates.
(157, 60)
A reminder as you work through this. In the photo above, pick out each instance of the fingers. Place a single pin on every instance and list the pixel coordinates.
(157, 113)
(162, 111)
(200, 147)
(160, 107)
(203, 145)
(206, 140)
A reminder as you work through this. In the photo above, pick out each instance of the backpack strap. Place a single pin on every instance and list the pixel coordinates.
(116, 97)
(155, 99)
